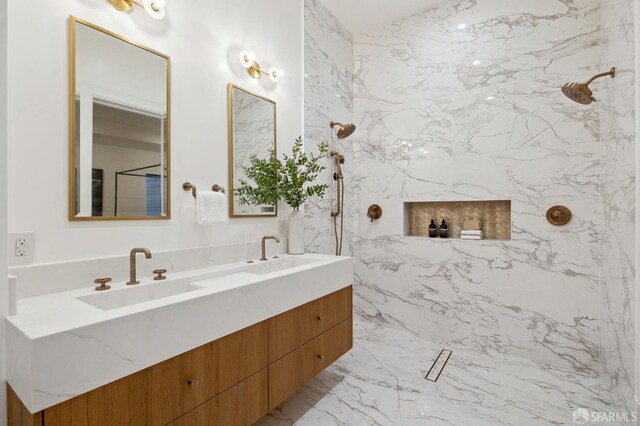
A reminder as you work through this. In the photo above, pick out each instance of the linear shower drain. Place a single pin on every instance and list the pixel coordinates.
(438, 365)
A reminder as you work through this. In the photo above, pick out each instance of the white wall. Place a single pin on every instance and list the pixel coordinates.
(4, 300)
(203, 40)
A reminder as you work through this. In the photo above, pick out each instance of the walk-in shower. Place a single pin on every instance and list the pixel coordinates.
(344, 132)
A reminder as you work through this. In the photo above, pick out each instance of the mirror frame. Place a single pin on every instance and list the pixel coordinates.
(72, 123)
(230, 88)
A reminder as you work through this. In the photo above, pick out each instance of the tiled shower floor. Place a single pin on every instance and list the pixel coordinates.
(381, 382)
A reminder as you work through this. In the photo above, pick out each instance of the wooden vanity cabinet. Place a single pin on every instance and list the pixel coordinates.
(293, 371)
(241, 405)
(292, 329)
(232, 381)
(18, 414)
(182, 383)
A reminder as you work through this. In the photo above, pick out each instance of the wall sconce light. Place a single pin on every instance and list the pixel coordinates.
(248, 61)
(156, 9)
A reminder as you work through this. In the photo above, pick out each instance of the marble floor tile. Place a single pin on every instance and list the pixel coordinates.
(381, 382)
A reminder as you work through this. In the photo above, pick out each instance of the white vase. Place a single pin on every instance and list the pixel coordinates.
(296, 232)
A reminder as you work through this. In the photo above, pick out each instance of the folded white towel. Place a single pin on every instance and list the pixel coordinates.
(470, 237)
(211, 207)
(472, 233)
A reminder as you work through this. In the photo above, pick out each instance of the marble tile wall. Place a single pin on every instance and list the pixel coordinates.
(328, 91)
(617, 124)
(462, 102)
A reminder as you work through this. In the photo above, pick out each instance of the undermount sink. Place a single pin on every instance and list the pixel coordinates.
(114, 299)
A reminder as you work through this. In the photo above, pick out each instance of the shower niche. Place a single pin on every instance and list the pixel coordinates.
(495, 216)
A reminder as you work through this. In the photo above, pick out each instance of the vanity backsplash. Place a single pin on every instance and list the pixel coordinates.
(37, 280)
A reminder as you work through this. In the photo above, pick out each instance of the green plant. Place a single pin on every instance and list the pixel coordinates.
(283, 180)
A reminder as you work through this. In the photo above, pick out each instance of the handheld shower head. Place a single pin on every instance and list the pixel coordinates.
(580, 92)
(345, 130)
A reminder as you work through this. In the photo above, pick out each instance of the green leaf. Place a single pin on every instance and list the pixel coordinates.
(288, 180)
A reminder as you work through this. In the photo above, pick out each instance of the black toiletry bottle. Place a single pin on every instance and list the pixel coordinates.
(433, 229)
(444, 230)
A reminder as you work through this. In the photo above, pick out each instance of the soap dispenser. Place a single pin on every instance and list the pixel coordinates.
(433, 229)
(444, 230)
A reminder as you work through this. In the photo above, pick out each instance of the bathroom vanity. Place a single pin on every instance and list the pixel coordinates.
(223, 345)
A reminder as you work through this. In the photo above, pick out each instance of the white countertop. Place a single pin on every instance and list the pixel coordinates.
(59, 347)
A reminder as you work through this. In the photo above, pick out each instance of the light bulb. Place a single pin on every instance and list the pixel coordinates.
(156, 9)
(275, 74)
(247, 59)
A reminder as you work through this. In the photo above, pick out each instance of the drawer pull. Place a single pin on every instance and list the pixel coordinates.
(193, 383)
(320, 357)
(320, 318)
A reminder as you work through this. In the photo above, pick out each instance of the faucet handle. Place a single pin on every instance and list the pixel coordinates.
(159, 274)
(103, 284)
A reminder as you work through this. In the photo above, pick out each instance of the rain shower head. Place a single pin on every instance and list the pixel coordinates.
(345, 130)
(580, 92)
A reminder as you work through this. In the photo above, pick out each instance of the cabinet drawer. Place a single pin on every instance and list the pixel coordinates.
(289, 374)
(123, 402)
(165, 391)
(292, 329)
(241, 405)
(335, 308)
(182, 383)
(334, 343)
(242, 354)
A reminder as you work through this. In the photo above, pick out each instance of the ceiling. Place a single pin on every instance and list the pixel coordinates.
(361, 15)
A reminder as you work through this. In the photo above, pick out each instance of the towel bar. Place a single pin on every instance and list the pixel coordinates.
(189, 187)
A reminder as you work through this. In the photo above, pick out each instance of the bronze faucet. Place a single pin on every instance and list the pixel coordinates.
(132, 264)
(264, 249)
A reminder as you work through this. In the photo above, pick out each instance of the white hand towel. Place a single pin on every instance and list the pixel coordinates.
(211, 207)
(470, 237)
(472, 233)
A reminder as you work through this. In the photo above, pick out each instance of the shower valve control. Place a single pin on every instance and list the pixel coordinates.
(374, 212)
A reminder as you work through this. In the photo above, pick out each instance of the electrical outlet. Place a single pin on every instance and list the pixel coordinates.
(22, 246)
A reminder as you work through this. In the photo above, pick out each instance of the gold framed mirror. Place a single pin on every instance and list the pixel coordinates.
(119, 127)
(252, 132)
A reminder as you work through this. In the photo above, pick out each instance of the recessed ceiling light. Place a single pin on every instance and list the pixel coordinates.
(462, 26)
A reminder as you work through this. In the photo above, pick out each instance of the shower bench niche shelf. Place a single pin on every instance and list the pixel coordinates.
(494, 214)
